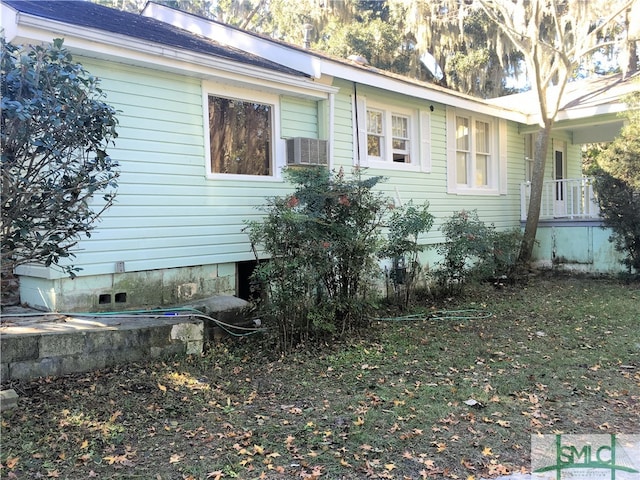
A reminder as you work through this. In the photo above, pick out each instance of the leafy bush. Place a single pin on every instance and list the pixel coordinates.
(506, 247)
(617, 187)
(55, 131)
(474, 251)
(406, 224)
(620, 209)
(324, 242)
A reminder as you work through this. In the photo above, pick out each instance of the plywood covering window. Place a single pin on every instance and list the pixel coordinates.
(240, 136)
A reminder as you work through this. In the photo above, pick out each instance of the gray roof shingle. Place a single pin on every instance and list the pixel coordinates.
(99, 17)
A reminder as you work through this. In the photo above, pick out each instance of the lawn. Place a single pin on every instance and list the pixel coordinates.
(444, 394)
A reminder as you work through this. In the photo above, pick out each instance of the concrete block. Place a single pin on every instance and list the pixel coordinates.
(160, 336)
(86, 363)
(98, 341)
(226, 270)
(45, 367)
(61, 344)
(19, 348)
(176, 348)
(105, 340)
(192, 334)
(8, 399)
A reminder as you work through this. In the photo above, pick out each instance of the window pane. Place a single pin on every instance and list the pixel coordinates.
(374, 146)
(400, 140)
(240, 136)
(462, 133)
(374, 122)
(482, 172)
(400, 126)
(399, 144)
(482, 137)
(461, 168)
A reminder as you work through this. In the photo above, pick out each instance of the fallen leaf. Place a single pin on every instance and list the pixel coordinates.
(486, 451)
(175, 458)
(162, 387)
(389, 466)
(441, 446)
(85, 445)
(257, 449)
(115, 416)
(11, 462)
(359, 421)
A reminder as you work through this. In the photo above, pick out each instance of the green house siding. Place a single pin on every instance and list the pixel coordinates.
(299, 118)
(182, 230)
(168, 213)
(501, 210)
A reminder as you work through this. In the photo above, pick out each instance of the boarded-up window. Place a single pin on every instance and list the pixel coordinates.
(240, 134)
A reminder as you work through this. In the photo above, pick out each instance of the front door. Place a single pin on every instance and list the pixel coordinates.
(559, 173)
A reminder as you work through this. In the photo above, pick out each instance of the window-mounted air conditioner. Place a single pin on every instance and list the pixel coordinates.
(307, 151)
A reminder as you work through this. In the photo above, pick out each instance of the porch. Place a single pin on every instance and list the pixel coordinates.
(567, 199)
(570, 234)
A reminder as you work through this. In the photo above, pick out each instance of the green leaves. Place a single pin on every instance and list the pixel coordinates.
(55, 130)
(322, 241)
(474, 250)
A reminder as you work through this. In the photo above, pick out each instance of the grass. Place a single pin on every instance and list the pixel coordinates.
(558, 355)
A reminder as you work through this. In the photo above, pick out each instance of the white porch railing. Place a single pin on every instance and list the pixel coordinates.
(569, 199)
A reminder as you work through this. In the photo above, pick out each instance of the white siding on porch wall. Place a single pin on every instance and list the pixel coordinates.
(167, 214)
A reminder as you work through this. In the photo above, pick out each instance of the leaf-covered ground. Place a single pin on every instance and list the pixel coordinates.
(415, 397)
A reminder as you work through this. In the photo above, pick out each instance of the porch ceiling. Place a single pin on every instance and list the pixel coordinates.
(599, 131)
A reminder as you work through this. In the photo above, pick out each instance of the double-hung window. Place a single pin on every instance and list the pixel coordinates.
(476, 153)
(391, 136)
(242, 139)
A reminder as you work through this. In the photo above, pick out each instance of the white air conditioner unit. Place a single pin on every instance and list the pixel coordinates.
(307, 151)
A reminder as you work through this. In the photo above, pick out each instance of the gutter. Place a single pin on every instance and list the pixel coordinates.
(100, 44)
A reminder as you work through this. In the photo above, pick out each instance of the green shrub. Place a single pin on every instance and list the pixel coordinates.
(617, 187)
(322, 241)
(474, 251)
(506, 247)
(405, 225)
(620, 209)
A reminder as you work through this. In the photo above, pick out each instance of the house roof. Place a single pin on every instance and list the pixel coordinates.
(590, 109)
(90, 15)
(603, 94)
(319, 64)
(162, 26)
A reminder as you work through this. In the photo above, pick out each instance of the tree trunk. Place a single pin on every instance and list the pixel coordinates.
(537, 180)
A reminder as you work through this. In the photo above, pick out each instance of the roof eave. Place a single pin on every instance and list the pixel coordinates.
(101, 44)
(320, 65)
(380, 80)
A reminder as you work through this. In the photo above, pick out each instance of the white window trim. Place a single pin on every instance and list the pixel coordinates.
(420, 136)
(497, 177)
(238, 93)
